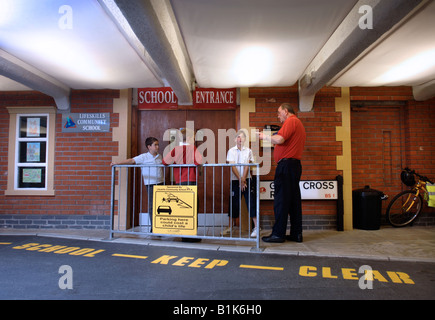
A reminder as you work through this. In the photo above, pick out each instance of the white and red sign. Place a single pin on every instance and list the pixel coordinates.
(157, 98)
(310, 190)
(165, 98)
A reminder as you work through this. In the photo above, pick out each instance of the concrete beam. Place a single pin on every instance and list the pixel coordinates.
(19, 71)
(424, 92)
(153, 24)
(349, 41)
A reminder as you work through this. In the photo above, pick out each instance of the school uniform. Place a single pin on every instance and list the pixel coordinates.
(245, 155)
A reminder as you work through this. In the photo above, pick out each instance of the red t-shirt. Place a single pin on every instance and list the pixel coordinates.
(294, 135)
(186, 154)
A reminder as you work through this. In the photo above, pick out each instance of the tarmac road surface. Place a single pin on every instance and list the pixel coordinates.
(34, 267)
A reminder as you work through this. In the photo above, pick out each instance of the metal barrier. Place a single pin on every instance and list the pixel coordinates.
(132, 201)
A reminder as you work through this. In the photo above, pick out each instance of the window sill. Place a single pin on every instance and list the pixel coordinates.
(30, 193)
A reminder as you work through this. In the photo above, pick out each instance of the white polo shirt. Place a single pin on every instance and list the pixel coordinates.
(240, 156)
(151, 175)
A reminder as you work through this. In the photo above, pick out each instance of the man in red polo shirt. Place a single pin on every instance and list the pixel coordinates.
(289, 144)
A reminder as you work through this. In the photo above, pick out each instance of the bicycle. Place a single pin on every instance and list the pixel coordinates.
(405, 206)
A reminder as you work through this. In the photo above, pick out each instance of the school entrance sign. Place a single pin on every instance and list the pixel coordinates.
(165, 98)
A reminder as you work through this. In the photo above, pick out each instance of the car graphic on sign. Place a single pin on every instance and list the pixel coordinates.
(170, 198)
(164, 209)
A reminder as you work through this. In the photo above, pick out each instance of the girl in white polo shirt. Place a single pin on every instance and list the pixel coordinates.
(241, 183)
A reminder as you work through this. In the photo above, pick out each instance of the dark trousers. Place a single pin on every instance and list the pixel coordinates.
(287, 197)
(236, 198)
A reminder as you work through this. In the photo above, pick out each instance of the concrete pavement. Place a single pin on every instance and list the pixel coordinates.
(388, 244)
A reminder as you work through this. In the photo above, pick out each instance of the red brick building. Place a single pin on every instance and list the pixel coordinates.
(365, 134)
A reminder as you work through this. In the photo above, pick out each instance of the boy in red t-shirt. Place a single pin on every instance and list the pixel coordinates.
(185, 153)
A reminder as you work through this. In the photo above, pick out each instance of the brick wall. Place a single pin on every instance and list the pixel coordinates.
(82, 171)
(420, 146)
(319, 159)
(13, 205)
(82, 161)
(420, 133)
(418, 123)
(417, 129)
(321, 149)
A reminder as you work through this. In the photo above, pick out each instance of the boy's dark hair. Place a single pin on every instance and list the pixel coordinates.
(149, 141)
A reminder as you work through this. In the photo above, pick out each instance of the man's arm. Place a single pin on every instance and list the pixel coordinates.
(275, 139)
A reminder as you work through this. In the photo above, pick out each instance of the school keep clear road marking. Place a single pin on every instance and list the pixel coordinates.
(129, 256)
(247, 266)
(323, 272)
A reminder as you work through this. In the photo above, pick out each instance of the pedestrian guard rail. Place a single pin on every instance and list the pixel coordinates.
(132, 207)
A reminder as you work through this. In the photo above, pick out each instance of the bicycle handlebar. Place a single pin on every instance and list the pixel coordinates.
(424, 178)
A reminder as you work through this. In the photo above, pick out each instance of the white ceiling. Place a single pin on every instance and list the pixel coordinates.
(255, 43)
(116, 44)
(412, 44)
(92, 55)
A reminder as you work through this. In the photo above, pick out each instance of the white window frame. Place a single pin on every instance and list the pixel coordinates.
(14, 150)
(18, 139)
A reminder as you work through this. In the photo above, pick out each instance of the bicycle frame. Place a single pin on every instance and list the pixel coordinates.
(419, 186)
(406, 205)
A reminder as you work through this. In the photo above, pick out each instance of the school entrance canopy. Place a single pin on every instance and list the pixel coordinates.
(54, 46)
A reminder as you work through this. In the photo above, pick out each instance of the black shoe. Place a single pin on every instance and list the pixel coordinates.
(274, 239)
(295, 238)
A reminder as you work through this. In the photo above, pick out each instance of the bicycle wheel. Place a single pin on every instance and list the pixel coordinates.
(404, 208)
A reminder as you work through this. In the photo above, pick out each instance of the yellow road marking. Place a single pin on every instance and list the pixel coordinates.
(247, 266)
(5, 243)
(129, 256)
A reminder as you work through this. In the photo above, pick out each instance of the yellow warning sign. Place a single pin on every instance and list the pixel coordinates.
(175, 210)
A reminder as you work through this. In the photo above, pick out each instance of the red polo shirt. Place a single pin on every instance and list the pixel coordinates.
(294, 135)
(186, 154)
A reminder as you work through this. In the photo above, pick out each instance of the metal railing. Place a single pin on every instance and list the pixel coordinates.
(132, 202)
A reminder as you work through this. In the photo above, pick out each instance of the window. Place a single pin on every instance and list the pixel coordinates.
(31, 151)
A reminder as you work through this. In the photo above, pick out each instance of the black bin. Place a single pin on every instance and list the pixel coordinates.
(367, 208)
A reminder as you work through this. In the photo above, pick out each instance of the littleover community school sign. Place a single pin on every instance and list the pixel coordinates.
(86, 122)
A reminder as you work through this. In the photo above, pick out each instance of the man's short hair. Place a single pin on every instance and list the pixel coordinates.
(288, 107)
